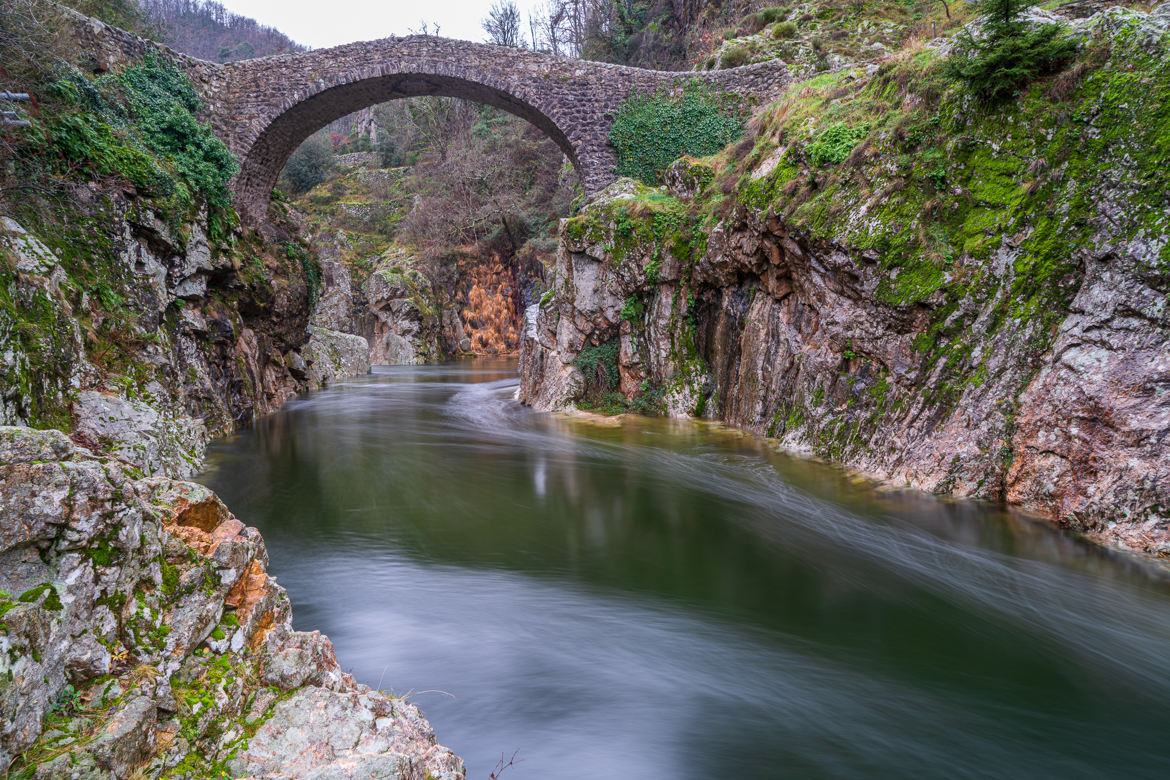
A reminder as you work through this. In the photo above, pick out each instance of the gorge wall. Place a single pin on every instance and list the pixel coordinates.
(140, 338)
(411, 305)
(966, 301)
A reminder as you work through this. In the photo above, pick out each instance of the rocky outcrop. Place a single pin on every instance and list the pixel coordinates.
(406, 323)
(786, 333)
(140, 634)
(393, 310)
(331, 355)
(877, 315)
(157, 442)
(141, 339)
(339, 301)
(786, 338)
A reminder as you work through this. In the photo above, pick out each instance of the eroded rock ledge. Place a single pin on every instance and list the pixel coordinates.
(141, 633)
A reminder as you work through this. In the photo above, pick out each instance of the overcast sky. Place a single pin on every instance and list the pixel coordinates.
(322, 24)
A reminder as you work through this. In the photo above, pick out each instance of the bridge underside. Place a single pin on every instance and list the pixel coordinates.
(263, 161)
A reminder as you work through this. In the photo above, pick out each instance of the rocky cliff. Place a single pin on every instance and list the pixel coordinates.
(962, 299)
(142, 341)
(141, 635)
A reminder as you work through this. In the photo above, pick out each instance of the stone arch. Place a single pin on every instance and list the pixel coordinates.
(273, 104)
(264, 108)
(266, 156)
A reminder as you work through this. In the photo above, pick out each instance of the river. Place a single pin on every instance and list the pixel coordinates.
(664, 599)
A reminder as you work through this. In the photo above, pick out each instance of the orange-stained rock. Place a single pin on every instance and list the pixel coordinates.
(250, 588)
(204, 515)
(228, 529)
(197, 540)
(260, 631)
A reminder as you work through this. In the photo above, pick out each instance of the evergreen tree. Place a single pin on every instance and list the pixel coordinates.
(1009, 52)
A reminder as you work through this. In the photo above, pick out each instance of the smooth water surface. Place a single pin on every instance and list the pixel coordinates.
(657, 599)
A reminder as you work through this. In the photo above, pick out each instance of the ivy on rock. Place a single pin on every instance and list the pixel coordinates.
(649, 132)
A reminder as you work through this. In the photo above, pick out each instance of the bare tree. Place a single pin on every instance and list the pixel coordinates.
(502, 24)
(555, 24)
(30, 44)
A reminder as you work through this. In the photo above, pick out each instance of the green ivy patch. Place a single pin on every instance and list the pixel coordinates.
(650, 132)
(834, 145)
(140, 125)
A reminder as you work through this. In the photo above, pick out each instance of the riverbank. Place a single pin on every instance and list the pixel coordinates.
(968, 301)
(143, 635)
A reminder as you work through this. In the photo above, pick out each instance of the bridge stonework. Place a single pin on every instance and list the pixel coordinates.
(264, 108)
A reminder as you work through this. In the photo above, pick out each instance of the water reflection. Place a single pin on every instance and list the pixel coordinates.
(662, 599)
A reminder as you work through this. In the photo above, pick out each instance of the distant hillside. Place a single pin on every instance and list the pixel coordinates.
(209, 31)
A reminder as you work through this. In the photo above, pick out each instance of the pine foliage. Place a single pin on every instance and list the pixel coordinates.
(1009, 53)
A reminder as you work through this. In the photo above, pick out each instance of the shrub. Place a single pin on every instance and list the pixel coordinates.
(735, 56)
(834, 144)
(1010, 54)
(773, 14)
(390, 151)
(297, 253)
(599, 365)
(310, 163)
(650, 132)
(753, 23)
(784, 30)
(633, 309)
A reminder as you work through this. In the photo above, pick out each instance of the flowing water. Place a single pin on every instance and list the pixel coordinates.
(657, 599)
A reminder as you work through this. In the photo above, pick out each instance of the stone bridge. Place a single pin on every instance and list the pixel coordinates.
(264, 108)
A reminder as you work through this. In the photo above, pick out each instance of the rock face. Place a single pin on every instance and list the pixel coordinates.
(789, 340)
(331, 355)
(404, 326)
(142, 340)
(1031, 367)
(158, 443)
(1092, 429)
(140, 634)
(393, 312)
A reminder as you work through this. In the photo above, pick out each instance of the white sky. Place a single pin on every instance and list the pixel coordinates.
(323, 24)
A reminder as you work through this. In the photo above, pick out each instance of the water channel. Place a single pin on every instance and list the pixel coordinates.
(659, 599)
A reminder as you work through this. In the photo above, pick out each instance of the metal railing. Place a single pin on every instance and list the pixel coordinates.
(10, 116)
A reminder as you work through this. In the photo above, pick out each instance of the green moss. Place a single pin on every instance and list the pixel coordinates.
(170, 576)
(103, 552)
(52, 601)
